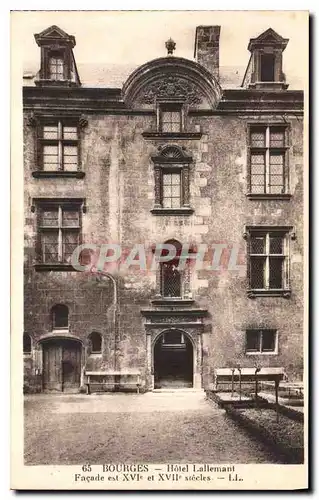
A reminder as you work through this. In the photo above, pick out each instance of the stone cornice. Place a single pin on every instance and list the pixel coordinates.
(155, 313)
(109, 101)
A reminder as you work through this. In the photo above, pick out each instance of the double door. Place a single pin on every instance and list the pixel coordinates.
(61, 365)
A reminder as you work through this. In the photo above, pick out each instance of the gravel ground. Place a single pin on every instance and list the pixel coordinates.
(153, 428)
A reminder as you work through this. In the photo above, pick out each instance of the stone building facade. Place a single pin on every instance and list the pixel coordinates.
(173, 156)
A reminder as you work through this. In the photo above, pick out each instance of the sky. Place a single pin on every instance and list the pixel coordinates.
(134, 37)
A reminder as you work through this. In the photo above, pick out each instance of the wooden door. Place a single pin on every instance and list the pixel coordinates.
(71, 365)
(52, 359)
(61, 365)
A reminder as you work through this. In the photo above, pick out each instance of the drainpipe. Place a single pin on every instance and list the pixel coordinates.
(115, 314)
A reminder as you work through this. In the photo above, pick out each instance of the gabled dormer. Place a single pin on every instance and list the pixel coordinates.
(264, 69)
(58, 65)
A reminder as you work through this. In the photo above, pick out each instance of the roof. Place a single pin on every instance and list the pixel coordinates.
(114, 75)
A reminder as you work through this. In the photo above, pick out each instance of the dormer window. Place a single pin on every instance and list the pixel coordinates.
(56, 66)
(264, 70)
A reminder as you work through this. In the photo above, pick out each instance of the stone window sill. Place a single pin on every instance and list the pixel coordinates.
(264, 196)
(172, 211)
(172, 135)
(57, 173)
(258, 353)
(163, 301)
(269, 293)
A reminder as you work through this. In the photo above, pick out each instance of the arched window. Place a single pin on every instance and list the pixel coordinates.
(95, 340)
(171, 276)
(60, 317)
(26, 344)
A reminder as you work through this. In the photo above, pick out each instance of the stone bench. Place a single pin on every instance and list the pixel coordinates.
(113, 379)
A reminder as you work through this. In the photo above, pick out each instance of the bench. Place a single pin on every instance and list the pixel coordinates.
(113, 379)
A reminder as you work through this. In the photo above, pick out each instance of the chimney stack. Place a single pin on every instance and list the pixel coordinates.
(207, 48)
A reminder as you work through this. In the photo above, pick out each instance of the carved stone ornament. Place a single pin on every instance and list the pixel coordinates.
(83, 122)
(171, 87)
(32, 121)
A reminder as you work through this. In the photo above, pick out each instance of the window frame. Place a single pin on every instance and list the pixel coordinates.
(172, 171)
(166, 104)
(167, 265)
(56, 54)
(60, 142)
(180, 163)
(95, 353)
(286, 233)
(173, 106)
(27, 353)
(263, 57)
(267, 150)
(260, 351)
(53, 318)
(60, 121)
(41, 205)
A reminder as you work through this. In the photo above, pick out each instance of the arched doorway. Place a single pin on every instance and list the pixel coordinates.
(173, 360)
(61, 365)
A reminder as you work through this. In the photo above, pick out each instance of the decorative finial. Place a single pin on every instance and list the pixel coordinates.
(170, 45)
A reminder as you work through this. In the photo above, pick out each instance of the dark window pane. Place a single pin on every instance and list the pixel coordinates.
(258, 169)
(50, 218)
(49, 246)
(277, 137)
(60, 316)
(267, 68)
(70, 242)
(257, 244)
(257, 137)
(268, 340)
(258, 159)
(171, 119)
(276, 244)
(252, 340)
(50, 131)
(70, 218)
(257, 279)
(275, 272)
(26, 344)
(171, 190)
(56, 68)
(70, 158)
(276, 162)
(171, 281)
(70, 133)
(172, 337)
(50, 157)
(96, 342)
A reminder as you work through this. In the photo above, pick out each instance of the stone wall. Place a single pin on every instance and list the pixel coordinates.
(119, 191)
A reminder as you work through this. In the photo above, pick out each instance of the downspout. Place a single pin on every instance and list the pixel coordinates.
(115, 314)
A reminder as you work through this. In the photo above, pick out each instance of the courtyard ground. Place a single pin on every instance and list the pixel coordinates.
(152, 427)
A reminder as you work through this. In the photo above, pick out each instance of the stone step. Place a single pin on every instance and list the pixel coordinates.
(179, 391)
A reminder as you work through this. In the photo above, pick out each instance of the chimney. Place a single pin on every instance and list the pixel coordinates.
(207, 48)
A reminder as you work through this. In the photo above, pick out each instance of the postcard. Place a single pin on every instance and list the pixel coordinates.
(159, 265)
